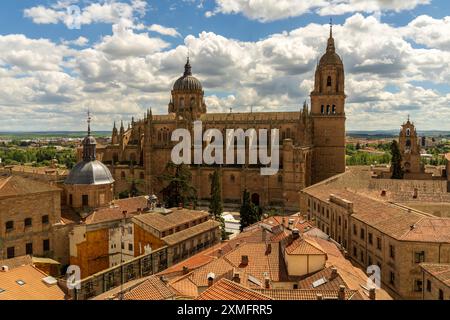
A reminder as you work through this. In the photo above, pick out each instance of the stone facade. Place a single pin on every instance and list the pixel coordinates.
(30, 219)
(395, 238)
(312, 141)
(435, 281)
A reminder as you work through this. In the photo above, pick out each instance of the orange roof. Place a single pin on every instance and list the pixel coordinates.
(225, 289)
(177, 217)
(303, 246)
(307, 294)
(115, 212)
(151, 289)
(12, 186)
(33, 287)
(438, 270)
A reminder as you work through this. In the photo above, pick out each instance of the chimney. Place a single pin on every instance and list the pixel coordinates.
(295, 234)
(372, 294)
(283, 221)
(264, 234)
(185, 270)
(334, 273)
(163, 279)
(220, 252)
(244, 260)
(211, 276)
(267, 283)
(268, 249)
(319, 296)
(290, 223)
(4, 269)
(236, 277)
(180, 206)
(341, 293)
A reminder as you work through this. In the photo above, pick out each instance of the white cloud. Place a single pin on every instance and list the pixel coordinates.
(164, 30)
(123, 74)
(270, 10)
(79, 42)
(433, 33)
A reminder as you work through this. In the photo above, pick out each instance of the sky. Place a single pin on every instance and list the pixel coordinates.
(59, 58)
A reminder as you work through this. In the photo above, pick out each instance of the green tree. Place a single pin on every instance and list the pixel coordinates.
(396, 162)
(249, 212)
(216, 205)
(179, 189)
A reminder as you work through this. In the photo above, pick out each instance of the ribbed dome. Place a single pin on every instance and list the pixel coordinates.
(89, 173)
(330, 58)
(187, 82)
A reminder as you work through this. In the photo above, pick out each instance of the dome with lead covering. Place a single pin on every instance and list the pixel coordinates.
(187, 82)
(89, 173)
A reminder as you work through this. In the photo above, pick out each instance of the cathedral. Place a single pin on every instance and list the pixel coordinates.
(312, 141)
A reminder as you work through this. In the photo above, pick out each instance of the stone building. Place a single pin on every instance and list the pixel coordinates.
(30, 219)
(436, 281)
(380, 233)
(312, 141)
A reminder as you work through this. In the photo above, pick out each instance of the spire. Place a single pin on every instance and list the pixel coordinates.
(114, 125)
(89, 121)
(330, 45)
(89, 143)
(187, 68)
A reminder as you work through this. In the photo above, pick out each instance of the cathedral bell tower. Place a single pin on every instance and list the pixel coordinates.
(328, 113)
(409, 148)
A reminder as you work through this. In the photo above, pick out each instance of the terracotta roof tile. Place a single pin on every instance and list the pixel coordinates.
(151, 289)
(191, 232)
(307, 294)
(225, 289)
(304, 246)
(115, 212)
(438, 270)
(34, 288)
(15, 185)
(177, 217)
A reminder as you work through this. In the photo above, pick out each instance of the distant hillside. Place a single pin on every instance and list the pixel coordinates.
(380, 134)
(49, 135)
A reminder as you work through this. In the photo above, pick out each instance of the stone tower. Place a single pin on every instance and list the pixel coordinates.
(328, 114)
(409, 148)
(187, 96)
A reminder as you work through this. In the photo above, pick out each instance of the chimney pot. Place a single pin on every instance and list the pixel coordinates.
(341, 293)
(334, 273)
(295, 234)
(319, 296)
(211, 277)
(236, 277)
(372, 294)
(269, 249)
(244, 260)
(185, 270)
(267, 283)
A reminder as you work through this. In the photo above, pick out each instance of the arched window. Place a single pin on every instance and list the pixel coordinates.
(322, 109)
(160, 135)
(288, 133)
(328, 109)
(181, 103)
(408, 132)
(232, 178)
(329, 81)
(334, 109)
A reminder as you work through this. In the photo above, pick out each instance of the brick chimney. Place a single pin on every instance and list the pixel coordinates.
(341, 293)
(319, 296)
(372, 294)
(295, 234)
(211, 276)
(268, 249)
(244, 260)
(236, 277)
(185, 270)
(334, 273)
(267, 283)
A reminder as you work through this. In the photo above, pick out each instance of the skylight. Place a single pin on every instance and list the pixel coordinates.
(319, 282)
(2, 290)
(20, 282)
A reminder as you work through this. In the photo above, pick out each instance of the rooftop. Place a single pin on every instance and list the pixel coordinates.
(115, 212)
(14, 185)
(438, 270)
(169, 221)
(225, 289)
(27, 283)
(151, 289)
(191, 232)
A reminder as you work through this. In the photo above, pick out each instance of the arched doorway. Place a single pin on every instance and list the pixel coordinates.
(256, 199)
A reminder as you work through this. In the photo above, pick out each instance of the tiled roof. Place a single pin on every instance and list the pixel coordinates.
(115, 212)
(33, 288)
(438, 270)
(177, 217)
(398, 222)
(191, 232)
(330, 284)
(151, 289)
(307, 294)
(15, 185)
(225, 289)
(303, 246)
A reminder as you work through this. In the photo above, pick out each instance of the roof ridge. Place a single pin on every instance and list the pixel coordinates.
(5, 181)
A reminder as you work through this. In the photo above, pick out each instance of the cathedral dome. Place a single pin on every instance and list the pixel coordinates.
(187, 82)
(330, 57)
(89, 173)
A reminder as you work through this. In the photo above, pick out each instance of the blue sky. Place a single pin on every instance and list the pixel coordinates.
(126, 54)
